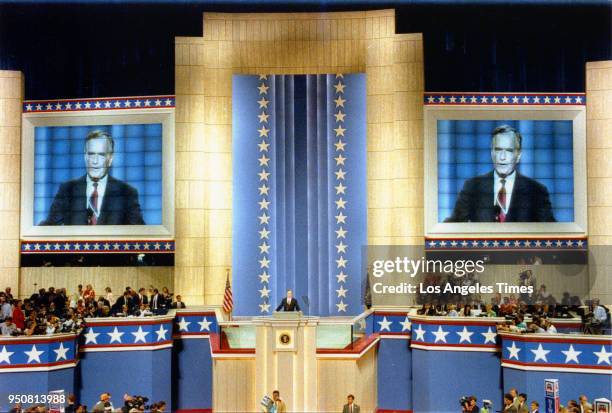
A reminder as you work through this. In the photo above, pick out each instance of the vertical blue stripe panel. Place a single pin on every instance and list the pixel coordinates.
(302, 192)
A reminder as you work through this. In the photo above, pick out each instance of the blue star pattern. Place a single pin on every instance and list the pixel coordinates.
(107, 334)
(190, 323)
(507, 244)
(391, 324)
(93, 246)
(457, 334)
(23, 354)
(340, 136)
(265, 236)
(504, 99)
(79, 105)
(557, 353)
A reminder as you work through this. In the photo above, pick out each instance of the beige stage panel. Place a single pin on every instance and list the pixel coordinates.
(599, 175)
(291, 43)
(338, 378)
(11, 100)
(234, 385)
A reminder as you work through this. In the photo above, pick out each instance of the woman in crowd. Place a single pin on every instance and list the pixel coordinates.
(18, 315)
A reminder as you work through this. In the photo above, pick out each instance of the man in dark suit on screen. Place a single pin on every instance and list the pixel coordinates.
(96, 198)
(289, 303)
(503, 195)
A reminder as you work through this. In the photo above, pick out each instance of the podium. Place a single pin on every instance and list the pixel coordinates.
(286, 359)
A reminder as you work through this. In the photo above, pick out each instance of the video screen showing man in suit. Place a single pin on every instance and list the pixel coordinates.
(503, 194)
(96, 198)
(289, 303)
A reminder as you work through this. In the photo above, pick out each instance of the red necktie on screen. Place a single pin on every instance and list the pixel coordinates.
(94, 203)
(501, 200)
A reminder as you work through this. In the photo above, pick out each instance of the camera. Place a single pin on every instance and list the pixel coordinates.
(464, 400)
(487, 404)
(136, 402)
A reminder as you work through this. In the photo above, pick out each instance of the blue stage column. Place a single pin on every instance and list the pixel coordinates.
(451, 358)
(192, 361)
(394, 359)
(126, 356)
(36, 365)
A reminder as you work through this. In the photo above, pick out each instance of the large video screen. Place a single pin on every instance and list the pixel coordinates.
(98, 175)
(505, 171)
(492, 170)
(102, 173)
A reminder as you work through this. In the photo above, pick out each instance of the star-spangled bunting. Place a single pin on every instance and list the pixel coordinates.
(338, 158)
(542, 244)
(79, 105)
(263, 145)
(92, 246)
(38, 354)
(568, 353)
(504, 99)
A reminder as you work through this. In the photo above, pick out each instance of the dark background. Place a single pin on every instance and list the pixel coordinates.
(79, 50)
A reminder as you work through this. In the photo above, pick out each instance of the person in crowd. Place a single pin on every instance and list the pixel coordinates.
(522, 403)
(142, 296)
(278, 404)
(6, 308)
(535, 407)
(585, 406)
(488, 311)
(178, 303)
(71, 404)
(452, 311)
(8, 294)
(8, 328)
(167, 295)
(16, 408)
(466, 311)
(509, 406)
(143, 311)
(470, 405)
(19, 315)
(109, 296)
(549, 327)
(89, 294)
(427, 309)
(103, 404)
(157, 301)
(350, 406)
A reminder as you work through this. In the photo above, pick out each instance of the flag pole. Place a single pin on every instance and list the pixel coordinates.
(227, 282)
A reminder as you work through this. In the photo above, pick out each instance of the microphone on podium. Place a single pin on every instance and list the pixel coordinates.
(306, 304)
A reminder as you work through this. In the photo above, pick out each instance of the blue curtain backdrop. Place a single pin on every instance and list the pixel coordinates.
(299, 192)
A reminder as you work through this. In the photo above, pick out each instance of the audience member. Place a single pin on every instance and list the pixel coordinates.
(178, 303)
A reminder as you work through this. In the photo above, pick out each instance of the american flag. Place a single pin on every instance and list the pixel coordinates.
(228, 302)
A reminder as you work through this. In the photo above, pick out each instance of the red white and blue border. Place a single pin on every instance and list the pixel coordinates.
(562, 353)
(504, 99)
(38, 353)
(455, 334)
(115, 103)
(510, 244)
(104, 334)
(151, 246)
